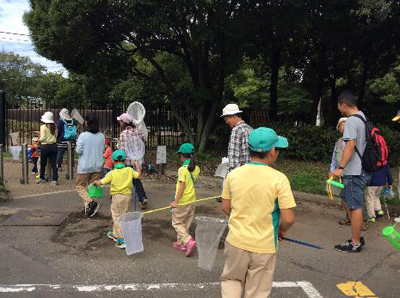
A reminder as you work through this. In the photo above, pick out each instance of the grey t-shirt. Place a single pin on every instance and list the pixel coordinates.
(354, 129)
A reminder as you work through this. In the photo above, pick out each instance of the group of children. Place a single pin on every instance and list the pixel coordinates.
(120, 178)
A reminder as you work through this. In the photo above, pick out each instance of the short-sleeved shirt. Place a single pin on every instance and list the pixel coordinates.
(120, 180)
(238, 148)
(256, 192)
(354, 129)
(189, 194)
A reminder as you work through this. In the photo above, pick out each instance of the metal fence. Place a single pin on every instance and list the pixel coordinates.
(22, 122)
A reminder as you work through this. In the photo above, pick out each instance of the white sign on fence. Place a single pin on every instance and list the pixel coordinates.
(161, 155)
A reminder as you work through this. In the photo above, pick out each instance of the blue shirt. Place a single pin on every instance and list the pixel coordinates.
(90, 147)
(382, 177)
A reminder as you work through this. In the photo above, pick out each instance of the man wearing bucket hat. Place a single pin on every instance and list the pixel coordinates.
(238, 149)
(259, 202)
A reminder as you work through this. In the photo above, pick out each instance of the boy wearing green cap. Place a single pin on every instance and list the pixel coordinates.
(121, 189)
(185, 195)
(259, 202)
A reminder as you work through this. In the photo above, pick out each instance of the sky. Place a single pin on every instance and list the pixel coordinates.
(11, 12)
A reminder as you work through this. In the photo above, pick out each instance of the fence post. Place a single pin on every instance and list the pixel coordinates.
(25, 164)
(1, 163)
(70, 155)
(3, 133)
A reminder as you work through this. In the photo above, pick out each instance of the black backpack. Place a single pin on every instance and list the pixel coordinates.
(376, 151)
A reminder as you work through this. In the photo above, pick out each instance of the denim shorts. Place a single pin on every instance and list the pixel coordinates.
(353, 192)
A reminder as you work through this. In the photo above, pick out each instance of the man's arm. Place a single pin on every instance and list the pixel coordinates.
(233, 150)
(226, 206)
(347, 154)
(287, 220)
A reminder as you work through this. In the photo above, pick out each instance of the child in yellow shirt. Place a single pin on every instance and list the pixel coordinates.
(185, 196)
(121, 189)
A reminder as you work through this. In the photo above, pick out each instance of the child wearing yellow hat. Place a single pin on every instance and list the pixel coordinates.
(185, 196)
(121, 189)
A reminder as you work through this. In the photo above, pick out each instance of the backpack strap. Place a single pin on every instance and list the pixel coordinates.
(364, 120)
(191, 176)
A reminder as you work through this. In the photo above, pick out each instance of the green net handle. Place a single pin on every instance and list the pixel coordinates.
(333, 182)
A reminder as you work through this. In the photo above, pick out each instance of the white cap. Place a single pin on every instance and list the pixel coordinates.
(47, 118)
(231, 109)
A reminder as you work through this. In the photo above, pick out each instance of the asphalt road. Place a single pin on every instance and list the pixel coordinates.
(76, 259)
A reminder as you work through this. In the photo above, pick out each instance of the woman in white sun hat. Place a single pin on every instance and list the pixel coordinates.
(48, 147)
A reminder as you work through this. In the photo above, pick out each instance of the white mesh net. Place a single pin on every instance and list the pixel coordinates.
(137, 111)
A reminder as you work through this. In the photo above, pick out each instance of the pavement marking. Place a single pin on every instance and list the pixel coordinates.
(307, 287)
(356, 289)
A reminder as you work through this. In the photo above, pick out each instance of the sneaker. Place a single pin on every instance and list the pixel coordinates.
(144, 203)
(111, 236)
(349, 247)
(54, 183)
(181, 247)
(362, 241)
(120, 243)
(219, 199)
(379, 214)
(93, 207)
(39, 181)
(190, 246)
(372, 219)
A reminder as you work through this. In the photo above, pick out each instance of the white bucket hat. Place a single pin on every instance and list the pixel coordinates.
(230, 110)
(47, 118)
(64, 114)
(343, 119)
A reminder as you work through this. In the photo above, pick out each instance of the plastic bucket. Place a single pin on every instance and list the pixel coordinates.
(131, 224)
(96, 192)
(392, 236)
(208, 233)
(388, 194)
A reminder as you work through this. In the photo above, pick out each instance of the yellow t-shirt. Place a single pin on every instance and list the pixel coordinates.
(121, 180)
(189, 194)
(46, 138)
(256, 192)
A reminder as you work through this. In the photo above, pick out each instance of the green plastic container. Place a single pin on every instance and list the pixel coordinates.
(392, 236)
(95, 192)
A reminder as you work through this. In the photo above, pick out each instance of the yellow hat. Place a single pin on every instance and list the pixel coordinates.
(397, 117)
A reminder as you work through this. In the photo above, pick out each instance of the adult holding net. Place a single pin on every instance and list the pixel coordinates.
(131, 141)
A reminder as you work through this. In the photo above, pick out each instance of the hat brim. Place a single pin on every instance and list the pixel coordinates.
(47, 121)
(231, 114)
(397, 118)
(281, 142)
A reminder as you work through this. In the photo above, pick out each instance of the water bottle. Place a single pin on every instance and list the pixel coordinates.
(392, 236)
(388, 194)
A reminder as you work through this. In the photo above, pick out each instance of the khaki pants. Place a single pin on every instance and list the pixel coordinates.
(372, 201)
(243, 269)
(82, 183)
(182, 217)
(119, 206)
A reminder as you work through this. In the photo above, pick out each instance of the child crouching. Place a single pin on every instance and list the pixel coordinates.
(185, 196)
(121, 189)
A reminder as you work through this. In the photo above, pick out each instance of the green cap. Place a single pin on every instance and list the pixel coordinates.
(264, 139)
(186, 148)
(118, 155)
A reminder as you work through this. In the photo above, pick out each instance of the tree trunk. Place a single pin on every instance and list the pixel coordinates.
(363, 83)
(319, 90)
(273, 88)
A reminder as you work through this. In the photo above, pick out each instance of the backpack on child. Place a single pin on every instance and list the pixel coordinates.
(70, 130)
(376, 151)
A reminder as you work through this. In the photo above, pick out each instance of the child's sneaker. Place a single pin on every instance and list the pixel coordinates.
(349, 247)
(39, 181)
(93, 207)
(120, 243)
(379, 214)
(372, 219)
(190, 246)
(111, 236)
(144, 203)
(181, 247)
